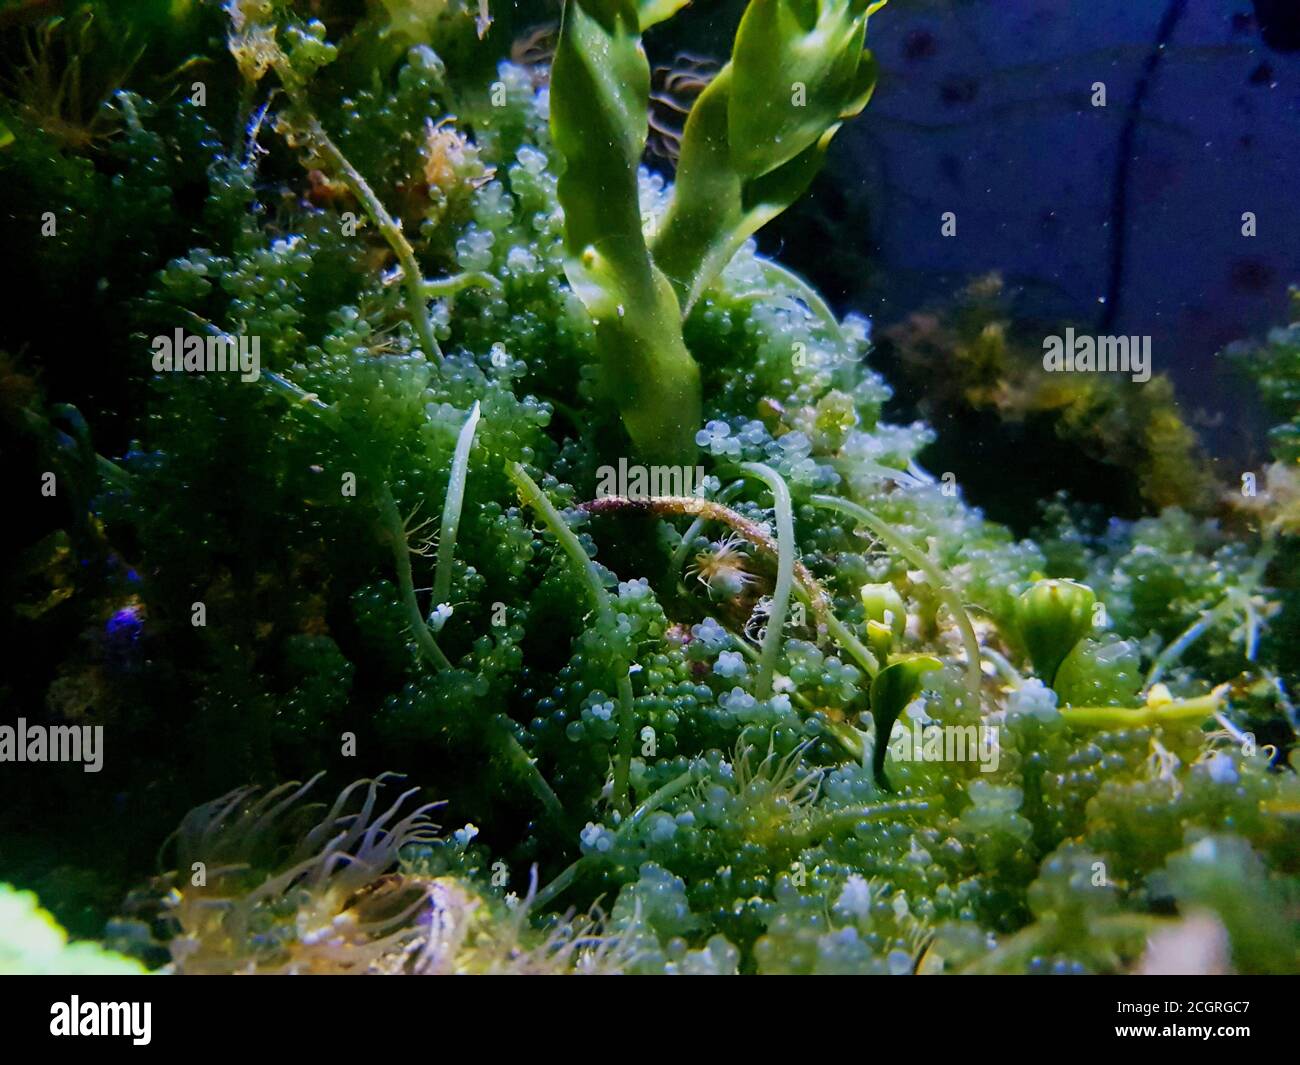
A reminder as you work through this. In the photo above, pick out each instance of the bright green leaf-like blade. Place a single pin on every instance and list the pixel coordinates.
(600, 83)
(758, 134)
(656, 11)
(793, 80)
(894, 687)
(767, 196)
(714, 210)
(699, 234)
(865, 85)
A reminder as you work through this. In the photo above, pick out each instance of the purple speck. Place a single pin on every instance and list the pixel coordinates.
(125, 624)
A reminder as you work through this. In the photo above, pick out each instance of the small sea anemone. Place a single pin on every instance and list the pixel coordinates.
(721, 568)
(782, 779)
(463, 933)
(452, 170)
(756, 624)
(776, 793)
(252, 38)
(263, 884)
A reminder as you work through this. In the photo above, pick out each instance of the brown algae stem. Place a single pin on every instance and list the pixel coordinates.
(808, 587)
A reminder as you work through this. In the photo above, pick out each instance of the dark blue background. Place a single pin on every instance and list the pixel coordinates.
(1124, 219)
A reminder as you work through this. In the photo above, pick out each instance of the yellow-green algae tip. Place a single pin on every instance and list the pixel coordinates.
(1160, 709)
(32, 943)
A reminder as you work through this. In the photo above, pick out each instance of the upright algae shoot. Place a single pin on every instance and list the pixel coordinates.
(818, 716)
